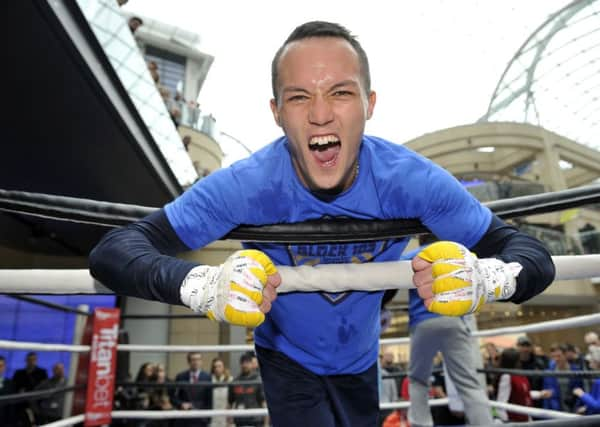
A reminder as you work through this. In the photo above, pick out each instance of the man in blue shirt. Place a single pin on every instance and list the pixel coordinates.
(318, 351)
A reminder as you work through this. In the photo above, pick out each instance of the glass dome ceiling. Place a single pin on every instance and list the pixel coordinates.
(553, 81)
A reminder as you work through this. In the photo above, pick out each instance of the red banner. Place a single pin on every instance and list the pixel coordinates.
(102, 368)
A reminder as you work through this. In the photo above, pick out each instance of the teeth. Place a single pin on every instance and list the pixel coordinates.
(322, 140)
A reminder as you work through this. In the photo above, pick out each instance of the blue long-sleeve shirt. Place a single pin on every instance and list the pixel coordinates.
(328, 333)
(591, 400)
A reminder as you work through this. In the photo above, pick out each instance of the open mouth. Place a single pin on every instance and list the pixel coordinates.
(325, 149)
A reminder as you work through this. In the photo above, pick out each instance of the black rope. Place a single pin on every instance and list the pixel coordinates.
(540, 373)
(172, 384)
(52, 305)
(36, 395)
(339, 230)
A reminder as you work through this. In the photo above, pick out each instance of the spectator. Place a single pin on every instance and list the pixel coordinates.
(50, 409)
(247, 395)
(591, 400)
(557, 393)
(6, 387)
(134, 23)
(512, 388)
(590, 240)
(144, 375)
(387, 363)
(591, 339)
(389, 386)
(531, 362)
(538, 350)
(187, 140)
(491, 361)
(153, 68)
(254, 362)
(219, 375)
(159, 397)
(195, 397)
(194, 113)
(574, 357)
(25, 380)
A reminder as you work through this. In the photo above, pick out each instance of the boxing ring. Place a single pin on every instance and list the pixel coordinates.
(329, 278)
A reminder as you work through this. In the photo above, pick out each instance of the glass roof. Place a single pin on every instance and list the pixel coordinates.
(553, 81)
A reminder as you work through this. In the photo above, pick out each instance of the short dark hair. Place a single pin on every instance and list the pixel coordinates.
(31, 353)
(570, 347)
(322, 29)
(558, 347)
(245, 358)
(2, 358)
(191, 353)
(509, 359)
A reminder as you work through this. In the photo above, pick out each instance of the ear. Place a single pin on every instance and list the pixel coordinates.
(275, 112)
(371, 100)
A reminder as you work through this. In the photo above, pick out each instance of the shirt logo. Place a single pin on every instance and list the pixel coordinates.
(336, 253)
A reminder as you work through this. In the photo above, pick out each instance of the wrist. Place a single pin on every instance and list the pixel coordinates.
(199, 288)
(500, 278)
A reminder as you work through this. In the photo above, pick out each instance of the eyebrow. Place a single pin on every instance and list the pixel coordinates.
(343, 84)
(335, 86)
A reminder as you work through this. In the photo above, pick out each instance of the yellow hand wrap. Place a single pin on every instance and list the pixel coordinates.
(231, 292)
(462, 282)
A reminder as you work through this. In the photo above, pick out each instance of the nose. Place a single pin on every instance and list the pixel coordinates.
(320, 112)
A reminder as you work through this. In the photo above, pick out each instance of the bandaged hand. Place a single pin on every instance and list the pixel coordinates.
(238, 291)
(453, 281)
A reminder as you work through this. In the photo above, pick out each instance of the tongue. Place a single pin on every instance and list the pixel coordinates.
(327, 155)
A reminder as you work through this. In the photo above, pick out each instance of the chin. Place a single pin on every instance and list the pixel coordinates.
(328, 187)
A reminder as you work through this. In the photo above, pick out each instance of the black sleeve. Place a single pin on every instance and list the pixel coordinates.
(507, 243)
(138, 260)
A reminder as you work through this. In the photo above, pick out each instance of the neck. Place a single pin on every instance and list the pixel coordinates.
(329, 194)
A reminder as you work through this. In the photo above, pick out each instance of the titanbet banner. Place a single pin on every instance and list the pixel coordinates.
(103, 363)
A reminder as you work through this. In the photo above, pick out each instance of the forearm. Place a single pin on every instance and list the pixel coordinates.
(138, 260)
(589, 401)
(510, 245)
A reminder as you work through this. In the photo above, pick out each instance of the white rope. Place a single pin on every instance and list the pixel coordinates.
(24, 345)
(535, 412)
(184, 348)
(325, 277)
(192, 413)
(262, 412)
(550, 325)
(66, 422)
(405, 404)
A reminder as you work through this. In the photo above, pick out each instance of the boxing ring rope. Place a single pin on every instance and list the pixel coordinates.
(550, 325)
(565, 418)
(107, 214)
(325, 277)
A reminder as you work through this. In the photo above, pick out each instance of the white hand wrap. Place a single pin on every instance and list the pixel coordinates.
(463, 283)
(230, 292)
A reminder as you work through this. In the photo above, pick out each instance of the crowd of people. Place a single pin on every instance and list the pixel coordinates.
(576, 393)
(195, 388)
(151, 389)
(32, 378)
